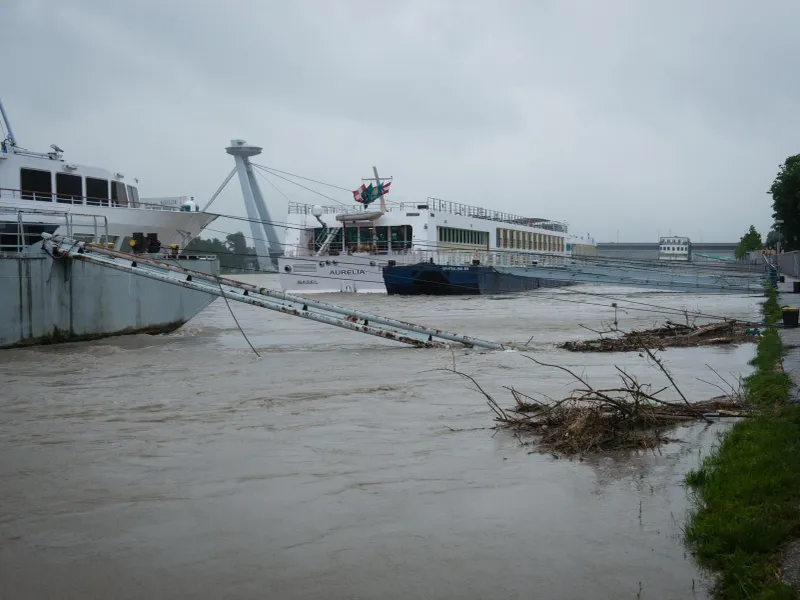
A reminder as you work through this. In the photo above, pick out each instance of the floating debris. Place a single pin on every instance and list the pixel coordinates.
(604, 420)
(671, 335)
(630, 416)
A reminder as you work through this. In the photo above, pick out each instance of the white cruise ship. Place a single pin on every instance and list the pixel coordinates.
(44, 298)
(343, 248)
(32, 183)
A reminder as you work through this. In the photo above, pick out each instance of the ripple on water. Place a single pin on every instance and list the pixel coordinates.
(338, 465)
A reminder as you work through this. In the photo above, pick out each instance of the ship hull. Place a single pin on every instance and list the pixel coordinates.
(443, 280)
(45, 300)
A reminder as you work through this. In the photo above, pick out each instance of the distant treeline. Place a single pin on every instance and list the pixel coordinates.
(233, 251)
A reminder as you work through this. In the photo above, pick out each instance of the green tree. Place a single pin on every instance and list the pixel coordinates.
(749, 242)
(785, 193)
(233, 253)
(773, 238)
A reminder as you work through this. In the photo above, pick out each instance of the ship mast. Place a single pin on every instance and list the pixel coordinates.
(377, 181)
(11, 139)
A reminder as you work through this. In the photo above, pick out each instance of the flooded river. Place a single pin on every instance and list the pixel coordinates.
(338, 465)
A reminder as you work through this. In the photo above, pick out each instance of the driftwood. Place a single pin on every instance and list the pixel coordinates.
(587, 423)
(671, 335)
(630, 416)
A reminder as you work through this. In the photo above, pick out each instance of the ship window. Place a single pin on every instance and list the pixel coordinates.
(133, 196)
(36, 185)
(96, 191)
(119, 195)
(401, 236)
(69, 188)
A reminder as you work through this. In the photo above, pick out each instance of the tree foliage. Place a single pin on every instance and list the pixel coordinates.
(233, 253)
(785, 193)
(773, 237)
(749, 242)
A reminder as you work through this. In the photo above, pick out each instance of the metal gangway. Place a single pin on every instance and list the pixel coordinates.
(420, 336)
(651, 278)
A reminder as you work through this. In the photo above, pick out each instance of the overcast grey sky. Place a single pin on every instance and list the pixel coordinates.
(629, 116)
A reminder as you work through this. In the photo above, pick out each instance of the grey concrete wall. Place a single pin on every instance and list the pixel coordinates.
(789, 263)
(649, 251)
(628, 251)
(43, 300)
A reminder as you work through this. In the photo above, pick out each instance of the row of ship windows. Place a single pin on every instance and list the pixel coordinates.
(506, 238)
(527, 240)
(674, 248)
(451, 235)
(36, 184)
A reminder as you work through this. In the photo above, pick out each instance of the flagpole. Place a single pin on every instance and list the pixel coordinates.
(378, 183)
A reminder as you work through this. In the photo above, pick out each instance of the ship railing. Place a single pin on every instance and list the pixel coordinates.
(299, 208)
(505, 258)
(446, 256)
(29, 223)
(435, 205)
(477, 212)
(61, 199)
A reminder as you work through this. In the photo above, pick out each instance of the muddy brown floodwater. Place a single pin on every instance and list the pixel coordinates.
(182, 466)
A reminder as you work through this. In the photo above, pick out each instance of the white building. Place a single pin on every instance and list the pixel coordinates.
(675, 248)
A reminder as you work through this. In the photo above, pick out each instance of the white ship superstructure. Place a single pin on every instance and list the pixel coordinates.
(37, 182)
(44, 298)
(343, 248)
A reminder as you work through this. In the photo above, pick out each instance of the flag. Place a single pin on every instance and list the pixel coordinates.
(367, 194)
(359, 194)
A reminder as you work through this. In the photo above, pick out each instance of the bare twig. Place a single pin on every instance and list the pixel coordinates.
(720, 388)
(501, 414)
(518, 393)
(668, 375)
(600, 333)
(579, 378)
(734, 392)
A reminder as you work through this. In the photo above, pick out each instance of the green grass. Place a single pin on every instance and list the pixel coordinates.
(768, 384)
(747, 492)
(748, 495)
(770, 308)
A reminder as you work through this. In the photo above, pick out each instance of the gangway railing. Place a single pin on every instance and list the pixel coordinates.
(323, 312)
(87, 227)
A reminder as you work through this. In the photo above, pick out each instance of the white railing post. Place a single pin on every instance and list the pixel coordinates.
(20, 237)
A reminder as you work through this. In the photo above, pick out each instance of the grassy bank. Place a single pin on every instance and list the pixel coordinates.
(747, 492)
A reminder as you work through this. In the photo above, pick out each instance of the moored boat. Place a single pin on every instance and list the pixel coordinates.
(431, 279)
(47, 299)
(346, 248)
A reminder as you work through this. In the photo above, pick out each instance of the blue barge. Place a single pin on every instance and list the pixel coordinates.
(455, 280)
